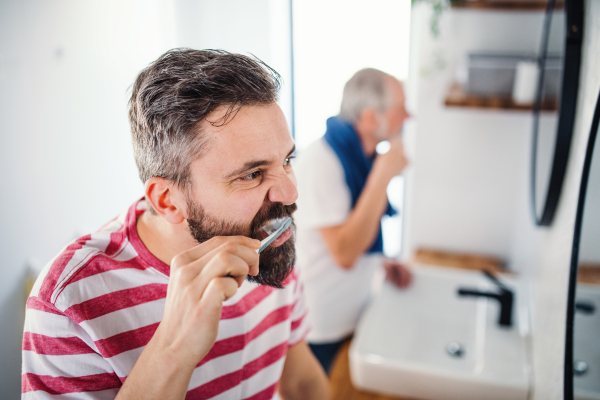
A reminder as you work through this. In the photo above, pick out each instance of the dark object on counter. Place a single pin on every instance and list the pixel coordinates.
(585, 307)
(504, 296)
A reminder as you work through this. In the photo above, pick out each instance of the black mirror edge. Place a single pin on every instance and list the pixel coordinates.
(567, 108)
(568, 374)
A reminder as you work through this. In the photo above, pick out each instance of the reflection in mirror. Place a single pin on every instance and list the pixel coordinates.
(586, 343)
(552, 59)
(554, 109)
(582, 367)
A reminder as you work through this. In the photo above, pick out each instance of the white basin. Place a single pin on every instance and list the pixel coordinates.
(400, 346)
(586, 346)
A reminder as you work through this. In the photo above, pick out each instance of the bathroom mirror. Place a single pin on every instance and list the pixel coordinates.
(554, 107)
(582, 351)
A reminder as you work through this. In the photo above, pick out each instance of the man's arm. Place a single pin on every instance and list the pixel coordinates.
(201, 279)
(303, 377)
(348, 241)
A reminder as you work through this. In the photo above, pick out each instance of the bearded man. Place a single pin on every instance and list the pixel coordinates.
(170, 300)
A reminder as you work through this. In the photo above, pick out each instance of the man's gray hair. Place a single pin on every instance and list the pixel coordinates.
(366, 89)
(179, 90)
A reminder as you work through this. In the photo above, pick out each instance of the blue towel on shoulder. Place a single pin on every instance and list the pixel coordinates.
(344, 141)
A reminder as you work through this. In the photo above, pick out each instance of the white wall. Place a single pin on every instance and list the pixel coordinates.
(66, 157)
(332, 40)
(259, 27)
(66, 154)
(461, 187)
(328, 50)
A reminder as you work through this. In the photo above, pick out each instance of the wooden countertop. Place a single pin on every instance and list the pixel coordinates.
(341, 386)
(470, 261)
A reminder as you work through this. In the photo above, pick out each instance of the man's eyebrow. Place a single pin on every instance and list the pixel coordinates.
(293, 150)
(250, 165)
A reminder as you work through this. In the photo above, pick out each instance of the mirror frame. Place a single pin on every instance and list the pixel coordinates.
(567, 106)
(568, 373)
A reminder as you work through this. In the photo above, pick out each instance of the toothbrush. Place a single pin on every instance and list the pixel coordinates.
(274, 228)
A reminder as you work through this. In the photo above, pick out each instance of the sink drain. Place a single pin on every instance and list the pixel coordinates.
(579, 368)
(455, 349)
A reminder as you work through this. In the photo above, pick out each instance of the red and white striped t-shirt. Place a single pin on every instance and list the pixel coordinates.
(97, 304)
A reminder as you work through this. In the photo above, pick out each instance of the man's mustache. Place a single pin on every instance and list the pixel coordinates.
(275, 210)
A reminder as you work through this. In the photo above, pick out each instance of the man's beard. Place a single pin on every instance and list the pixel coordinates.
(275, 263)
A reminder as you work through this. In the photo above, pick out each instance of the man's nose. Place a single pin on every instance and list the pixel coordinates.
(284, 189)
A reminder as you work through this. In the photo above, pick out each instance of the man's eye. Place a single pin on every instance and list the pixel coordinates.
(252, 176)
(288, 160)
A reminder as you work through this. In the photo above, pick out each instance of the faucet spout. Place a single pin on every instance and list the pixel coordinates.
(504, 296)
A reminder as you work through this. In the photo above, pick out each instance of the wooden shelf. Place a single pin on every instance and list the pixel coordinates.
(457, 97)
(589, 273)
(470, 261)
(505, 5)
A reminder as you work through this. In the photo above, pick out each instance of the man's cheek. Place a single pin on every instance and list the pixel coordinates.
(241, 209)
(292, 176)
(250, 212)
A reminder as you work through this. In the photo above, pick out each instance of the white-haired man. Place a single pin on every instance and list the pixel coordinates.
(342, 184)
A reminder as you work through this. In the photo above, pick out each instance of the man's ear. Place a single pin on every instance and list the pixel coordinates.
(166, 200)
(368, 120)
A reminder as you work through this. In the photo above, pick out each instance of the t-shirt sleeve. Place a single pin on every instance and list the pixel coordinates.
(300, 326)
(59, 358)
(323, 195)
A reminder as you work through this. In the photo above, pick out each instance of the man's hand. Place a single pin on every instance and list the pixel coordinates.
(397, 273)
(201, 279)
(390, 164)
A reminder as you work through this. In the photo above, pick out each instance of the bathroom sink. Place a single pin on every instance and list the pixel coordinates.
(586, 349)
(427, 342)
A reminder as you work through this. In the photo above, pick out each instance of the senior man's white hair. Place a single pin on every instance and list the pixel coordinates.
(366, 89)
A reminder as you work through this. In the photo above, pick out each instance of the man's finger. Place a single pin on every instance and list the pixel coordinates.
(405, 276)
(228, 260)
(247, 254)
(223, 264)
(217, 291)
(392, 274)
(396, 142)
(202, 249)
(397, 273)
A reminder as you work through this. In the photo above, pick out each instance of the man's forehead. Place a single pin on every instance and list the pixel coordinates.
(246, 121)
(249, 132)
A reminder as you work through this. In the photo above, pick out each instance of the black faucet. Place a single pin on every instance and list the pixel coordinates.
(585, 307)
(504, 296)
